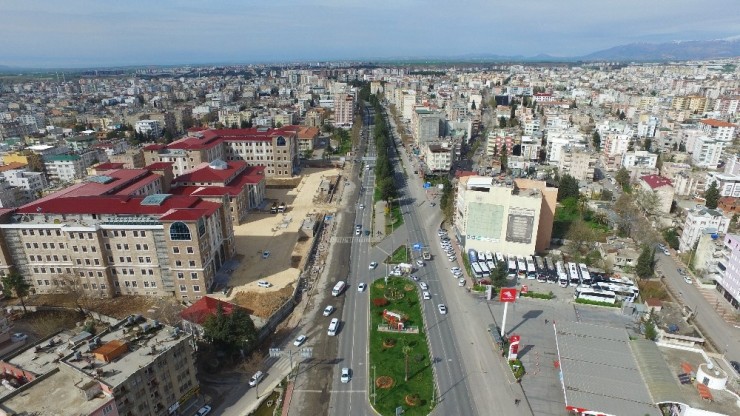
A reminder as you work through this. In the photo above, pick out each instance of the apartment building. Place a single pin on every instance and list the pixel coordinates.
(17, 175)
(614, 144)
(426, 125)
(718, 129)
(662, 187)
(729, 185)
(639, 159)
(105, 237)
(149, 128)
(438, 156)
(496, 142)
(275, 149)
(701, 221)
(344, 110)
(492, 216)
(728, 270)
(65, 168)
(578, 163)
(136, 367)
(131, 158)
(707, 152)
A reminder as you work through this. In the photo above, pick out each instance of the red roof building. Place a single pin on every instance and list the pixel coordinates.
(206, 306)
(663, 188)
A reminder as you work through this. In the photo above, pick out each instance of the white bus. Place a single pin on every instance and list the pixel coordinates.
(489, 256)
(531, 268)
(596, 295)
(625, 293)
(491, 265)
(585, 276)
(522, 264)
(512, 266)
(477, 271)
(484, 268)
(562, 275)
(338, 288)
(500, 258)
(573, 273)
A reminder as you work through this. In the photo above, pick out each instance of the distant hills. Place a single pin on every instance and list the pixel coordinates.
(669, 51)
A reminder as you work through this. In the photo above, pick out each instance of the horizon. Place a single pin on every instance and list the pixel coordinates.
(83, 34)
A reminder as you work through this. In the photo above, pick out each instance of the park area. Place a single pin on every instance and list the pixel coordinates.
(400, 364)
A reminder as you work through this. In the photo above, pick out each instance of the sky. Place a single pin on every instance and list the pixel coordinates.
(84, 33)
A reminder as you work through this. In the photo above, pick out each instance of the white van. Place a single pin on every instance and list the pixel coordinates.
(333, 326)
(338, 288)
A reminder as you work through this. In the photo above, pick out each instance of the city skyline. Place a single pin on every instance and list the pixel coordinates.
(81, 33)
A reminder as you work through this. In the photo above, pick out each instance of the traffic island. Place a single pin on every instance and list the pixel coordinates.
(400, 366)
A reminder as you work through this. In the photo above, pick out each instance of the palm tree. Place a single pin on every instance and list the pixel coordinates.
(16, 283)
(406, 350)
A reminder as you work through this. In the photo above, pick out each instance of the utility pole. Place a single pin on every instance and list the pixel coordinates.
(373, 385)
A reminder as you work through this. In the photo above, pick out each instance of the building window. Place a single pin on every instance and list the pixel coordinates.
(183, 288)
(176, 250)
(179, 231)
(146, 246)
(192, 263)
(194, 275)
(178, 263)
(196, 288)
(189, 250)
(180, 275)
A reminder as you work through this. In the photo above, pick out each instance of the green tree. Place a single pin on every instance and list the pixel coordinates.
(596, 140)
(674, 146)
(671, 237)
(502, 122)
(504, 158)
(499, 274)
(645, 263)
(622, 177)
(607, 195)
(711, 195)
(681, 147)
(568, 188)
(232, 332)
(472, 106)
(16, 283)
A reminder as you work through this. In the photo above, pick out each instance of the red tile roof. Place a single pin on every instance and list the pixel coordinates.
(250, 176)
(716, 123)
(205, 307)
(205, 173)
(159, 166)
(154, 147)
(12, 166)
(109, 166)
(656, 181)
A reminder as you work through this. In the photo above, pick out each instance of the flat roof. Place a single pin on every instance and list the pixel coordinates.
(598, 371)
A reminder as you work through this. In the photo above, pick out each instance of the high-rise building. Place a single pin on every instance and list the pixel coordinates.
(344, 110)
(728, 270)
(578, 163)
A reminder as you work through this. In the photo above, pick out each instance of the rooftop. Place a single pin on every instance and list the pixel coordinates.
(716, 123)
(656, 181)
(599, 373)
(12, 166)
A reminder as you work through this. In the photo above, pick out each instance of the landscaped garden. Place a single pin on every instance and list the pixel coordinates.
(400, 255)
(402, 373)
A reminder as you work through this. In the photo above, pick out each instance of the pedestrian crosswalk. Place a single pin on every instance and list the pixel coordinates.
(720, 305)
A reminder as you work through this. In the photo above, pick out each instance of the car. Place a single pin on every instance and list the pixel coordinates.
(328, 310)
(362, 206)
(423, 286)
(265, 254)
(358, 227)
(414, 277)
(264, 283)
(420, 263)
(345, 377)
(358, 231)
(18, 337)
(373, 265)
(457, 274)
(425, 295)
(687, 279)
(256, 378)
(455, 269)
(204, 411)
(299, 341)
(681, 271)
(461, 281)
(442, 309)
(441, 232)
(736, 366)
(666, 252)
(361, 287)
(367, 233)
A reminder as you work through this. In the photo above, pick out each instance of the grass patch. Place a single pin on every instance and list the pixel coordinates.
(537, 295)
(595, 303)
(517, 368)
(264, 409)
(393, 220)
(652, 289)
(391, 361)
(567, 212)
(478, 288)
(399, 255)
(466, 263)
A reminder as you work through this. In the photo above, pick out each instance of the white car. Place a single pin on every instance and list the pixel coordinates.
(204, 411)
(361, 287)
(442, 309)
(461, 282)
(455, 269)
(299, 341)
(423, 286)
(264, 283)
(362, 206)
(414, 277)
(328, 310)
(666, 252)
(687, 279)
(425, 295)
(373, 265)
(345, 375)
(420, 263)
(256, 378)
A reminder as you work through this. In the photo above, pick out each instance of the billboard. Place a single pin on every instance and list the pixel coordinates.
(513, 347)
(507, 295)
(485, 222)
(520, 225)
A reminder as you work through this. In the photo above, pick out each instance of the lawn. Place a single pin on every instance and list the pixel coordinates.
(387, 350)
(400, 255)
(394, 219)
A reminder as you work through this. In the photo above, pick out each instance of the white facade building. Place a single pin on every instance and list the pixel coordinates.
(149, 128)
(707, 152)
(639, 159)
(699, 221)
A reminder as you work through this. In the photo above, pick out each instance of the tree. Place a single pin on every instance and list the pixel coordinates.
(504, 158)
(622, 177)
(671, 237)
(233, 332)
(681, 147)
(596, 140)
(645, 263)
(674, 146)
(647, 144)
(711, 195)
(502, 122)
(568, 187)
(627, 213)
(498, 275)
(406, 350)
(581, 237)
(472, 106)
(622, 116)
(648, 201)
(16, 283)
(607, 195)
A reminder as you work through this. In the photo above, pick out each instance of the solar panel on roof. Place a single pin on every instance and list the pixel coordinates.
(102, 179)
(155, 199)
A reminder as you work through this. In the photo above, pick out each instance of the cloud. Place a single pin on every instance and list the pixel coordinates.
(135, 32)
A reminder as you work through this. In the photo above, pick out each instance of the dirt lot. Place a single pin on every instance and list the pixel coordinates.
(263, 304)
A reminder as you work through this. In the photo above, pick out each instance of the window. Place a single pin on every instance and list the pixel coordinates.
(178, 263)
(143, 233)
(179, 231)
(280, 141)
(183, 288)
(146, 246)
(89, 236)
(79, 262)
(201, 227)
(90, 274)
(196, 288)
(125, 246)
(28, 245)
(141, 259)
(75, 249)
(35, 269)
(52, 245)
(84, 249)
(107, 246)
(154, 284)
(190, 250)
(146, 284)
(100, 274)
(192, 263)
(135, 283)
(80, 236)
(97, 262)
(94, 285)
(138, 247)
(176, 250)
(180, 275)
(44, 245)
(194, 275)
(128, 259)
(105, 233)
(118, 246)
(82, 274)
(148, 259)
(94, 249)
(127, 283)
(136, 233)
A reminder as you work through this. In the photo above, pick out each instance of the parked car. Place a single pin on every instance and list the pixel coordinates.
(264, 283)
(423, 286)
(373, 265)
(414, 277)
(265, 254)
(299, 341)
(461, 282)
(425, 295)
(420, 263)
(256, 378)
(328, 310)
(736, 366)
(204, 411)
(687, 279)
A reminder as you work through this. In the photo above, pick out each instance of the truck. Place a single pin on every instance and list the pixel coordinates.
(426, 255)
(405, 267)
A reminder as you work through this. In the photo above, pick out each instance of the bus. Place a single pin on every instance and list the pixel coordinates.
(512, 266)
(562, 275)
(491, 265)
(596, 295)
(477, 271)
(531, 268)
(625, 293)
(585, 276)
(500, 258)
(489, 256)
(522, 264)
(573, 273)
(472, 256)
(485, 269)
